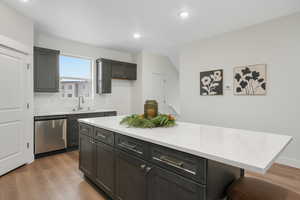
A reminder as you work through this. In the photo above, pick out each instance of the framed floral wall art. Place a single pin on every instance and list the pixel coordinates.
(250, 80)
(211, 83)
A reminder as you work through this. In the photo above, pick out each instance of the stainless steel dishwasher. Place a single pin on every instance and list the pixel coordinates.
(50, 134)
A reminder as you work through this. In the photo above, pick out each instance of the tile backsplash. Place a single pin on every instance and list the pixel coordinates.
(119, 100)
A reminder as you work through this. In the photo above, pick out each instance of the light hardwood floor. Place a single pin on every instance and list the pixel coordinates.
(58, 178)
(50, 178)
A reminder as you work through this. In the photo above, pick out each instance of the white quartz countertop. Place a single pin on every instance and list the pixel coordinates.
(249, 150)
(49, 113)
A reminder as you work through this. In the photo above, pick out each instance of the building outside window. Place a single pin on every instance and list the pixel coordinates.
(75, 77)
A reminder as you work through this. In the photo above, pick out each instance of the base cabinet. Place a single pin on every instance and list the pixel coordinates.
(164, 185)
(105, 167)
(72, 124)
(86, 156)
(129, 169)
(131, 177)
(72, 131)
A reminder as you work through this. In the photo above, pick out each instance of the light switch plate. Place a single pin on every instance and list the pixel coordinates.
(227, 87)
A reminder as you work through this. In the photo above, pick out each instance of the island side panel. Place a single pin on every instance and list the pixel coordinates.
(219, 177)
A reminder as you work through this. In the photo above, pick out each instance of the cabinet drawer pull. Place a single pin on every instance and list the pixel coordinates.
(84, 129)
(101, 135)
(178, 165)
(172, 162)
(130, 147)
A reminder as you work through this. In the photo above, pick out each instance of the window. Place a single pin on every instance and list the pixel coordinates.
(75, 77)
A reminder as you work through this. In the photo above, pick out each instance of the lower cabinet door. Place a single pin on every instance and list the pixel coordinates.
(105, 167)
(72, 132)
(164, 185)
(86, 156)
(131, 178)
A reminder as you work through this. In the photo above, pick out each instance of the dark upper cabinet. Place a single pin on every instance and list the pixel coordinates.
(46, 70)
(103, 77)
(118, 70)
(165, 185)
(131, 71)
(131, 178)
(122, 70)
(86, 156)
(105, 167)
(111, 69)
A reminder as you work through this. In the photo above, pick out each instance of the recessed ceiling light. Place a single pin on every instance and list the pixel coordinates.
(184, 15)
(136, 36)
(25, 0)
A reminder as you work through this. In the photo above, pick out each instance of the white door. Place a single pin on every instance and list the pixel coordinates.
(13, 109)
(159, 91)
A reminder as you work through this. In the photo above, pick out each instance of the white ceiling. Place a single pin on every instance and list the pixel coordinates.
(111, 23)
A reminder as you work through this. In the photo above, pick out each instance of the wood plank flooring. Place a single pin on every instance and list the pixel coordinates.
(282, 175)
(58, 178)
(50, 178)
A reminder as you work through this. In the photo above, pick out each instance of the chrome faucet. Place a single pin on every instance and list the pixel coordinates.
(80, 101)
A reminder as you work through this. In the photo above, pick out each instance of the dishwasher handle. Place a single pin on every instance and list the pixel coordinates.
(47, 118)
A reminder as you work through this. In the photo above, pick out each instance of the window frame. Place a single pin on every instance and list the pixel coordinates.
(92, 71)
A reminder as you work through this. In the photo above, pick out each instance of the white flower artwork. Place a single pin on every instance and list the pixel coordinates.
(211, 83)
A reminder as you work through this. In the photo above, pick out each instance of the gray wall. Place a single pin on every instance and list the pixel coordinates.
(275, 43)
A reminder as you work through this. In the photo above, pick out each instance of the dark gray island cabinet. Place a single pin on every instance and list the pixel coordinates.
(126, 168)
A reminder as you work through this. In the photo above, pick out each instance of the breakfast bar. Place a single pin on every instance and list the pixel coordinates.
(194, 161)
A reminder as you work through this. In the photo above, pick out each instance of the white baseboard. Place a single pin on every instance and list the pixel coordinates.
(289, 162)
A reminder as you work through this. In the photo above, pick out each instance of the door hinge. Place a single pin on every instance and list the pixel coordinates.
(28, 105)
(28, 144)
(28, 66)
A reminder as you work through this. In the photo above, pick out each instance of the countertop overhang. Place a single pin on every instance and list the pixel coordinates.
(249, 150)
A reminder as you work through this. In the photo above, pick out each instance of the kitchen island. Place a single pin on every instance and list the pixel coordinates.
(188, 161)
